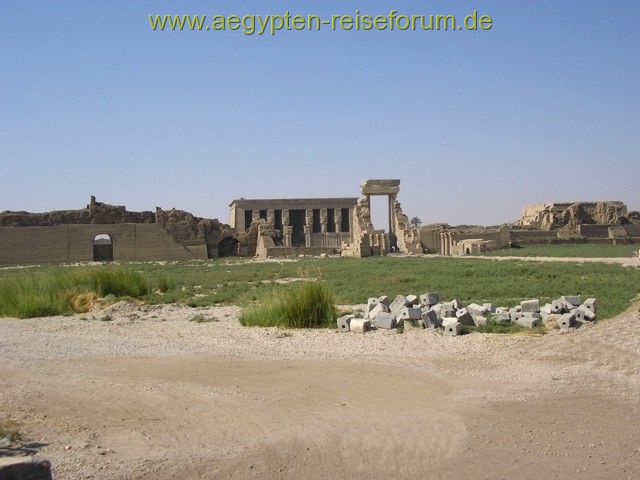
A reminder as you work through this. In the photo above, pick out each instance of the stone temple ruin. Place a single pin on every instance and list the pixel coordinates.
(266, 228)
(292, 227)
(314, 226)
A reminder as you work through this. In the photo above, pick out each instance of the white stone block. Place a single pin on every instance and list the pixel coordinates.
(359, 325)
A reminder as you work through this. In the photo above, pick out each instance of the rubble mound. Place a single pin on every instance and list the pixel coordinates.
(557, 216)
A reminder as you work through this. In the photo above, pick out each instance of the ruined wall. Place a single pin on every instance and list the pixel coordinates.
(553, 216)
(67, 235)
(74, 243)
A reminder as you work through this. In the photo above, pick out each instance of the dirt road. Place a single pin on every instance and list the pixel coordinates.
(152, 395)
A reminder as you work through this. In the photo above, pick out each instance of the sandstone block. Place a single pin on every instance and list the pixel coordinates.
(502, 317)
(411, 300)
(384, 300)
(379, 308)
(384, 320)
(572, 299)
(582, 313)
(429, 298)
(410, 313)
(452, 328)
(566, 321)
(431, 319)
(591, 304)
(464, 317)
(344, 322)
(528, 321)
(359, 325)
(530, 305)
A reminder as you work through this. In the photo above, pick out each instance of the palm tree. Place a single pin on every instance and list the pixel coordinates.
(415, 222)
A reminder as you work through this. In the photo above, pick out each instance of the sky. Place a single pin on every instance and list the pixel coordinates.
(543, 107)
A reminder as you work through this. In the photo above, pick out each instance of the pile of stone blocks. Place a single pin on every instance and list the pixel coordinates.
(428, 312)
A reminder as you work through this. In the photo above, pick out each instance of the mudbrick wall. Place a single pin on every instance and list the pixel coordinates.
(68, 236)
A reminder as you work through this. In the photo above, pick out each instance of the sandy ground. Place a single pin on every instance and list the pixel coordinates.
(150, 394)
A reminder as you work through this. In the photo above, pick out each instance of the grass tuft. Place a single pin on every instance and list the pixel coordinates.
(61, 291)
(305, 305)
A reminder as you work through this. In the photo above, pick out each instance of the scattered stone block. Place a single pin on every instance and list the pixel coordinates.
(557, 306)
(572, 299)
(566, 321)
(501, 317)
(411, 300)
(479, 320)
(489, 307)
(431, 319)
(379, 308)
(464, 317)
(371, 303)
(359, 325)
(502, 310)
(530, 305)
(591, 304)
(398, 304)
(517, 308)
(582, 313)
(457, 304)
(384, 320)
(476, 309)
(546, 309)
(452, 328)
(343, 323)
(410, 313)
(528, 321)
(385, 300)
(447, 312)
(515, 316)
(429, 298)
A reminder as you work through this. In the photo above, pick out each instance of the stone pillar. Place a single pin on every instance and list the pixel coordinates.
(271, 216)
(323, 225)
(337, 216)
(255, 215)
(288, 232)
(285, 217)
(308, 226)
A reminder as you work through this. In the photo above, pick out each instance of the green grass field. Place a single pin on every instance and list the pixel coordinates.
(352, 280)
(591, 250)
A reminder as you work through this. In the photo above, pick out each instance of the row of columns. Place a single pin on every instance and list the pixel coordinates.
(447, 242)
(287, 230)
(324, 223)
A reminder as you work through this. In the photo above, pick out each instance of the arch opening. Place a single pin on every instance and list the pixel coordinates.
(102, 248)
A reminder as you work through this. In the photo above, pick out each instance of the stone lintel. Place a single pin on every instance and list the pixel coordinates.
(380, 187)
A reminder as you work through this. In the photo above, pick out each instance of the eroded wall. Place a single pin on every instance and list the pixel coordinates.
(74, 243)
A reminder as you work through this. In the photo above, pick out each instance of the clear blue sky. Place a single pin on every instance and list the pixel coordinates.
(544, 107)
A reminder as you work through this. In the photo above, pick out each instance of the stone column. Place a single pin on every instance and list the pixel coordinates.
(271, 216)
(308, 227)
(323, 225)
(337, 216)
(255, 215)
(285, 217)
(288, 232)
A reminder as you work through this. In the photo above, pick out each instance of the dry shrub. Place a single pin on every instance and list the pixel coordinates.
(82, 302)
